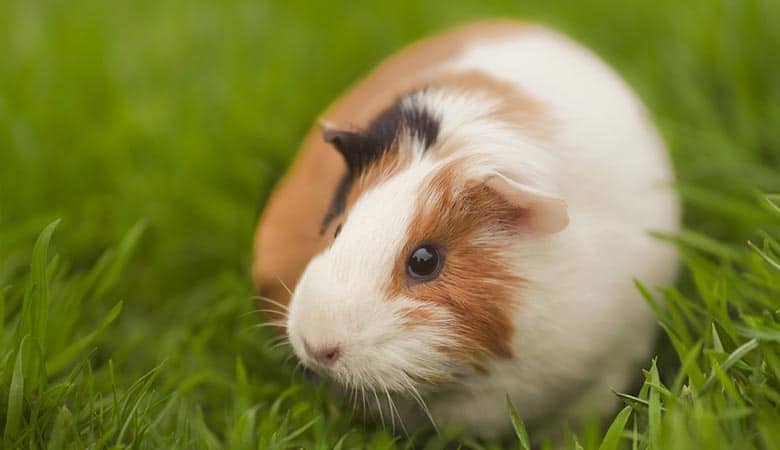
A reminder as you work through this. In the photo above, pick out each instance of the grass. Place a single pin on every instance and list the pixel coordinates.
(155, 129)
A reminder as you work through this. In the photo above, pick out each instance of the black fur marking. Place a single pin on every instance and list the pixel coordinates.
(362, 148)
(338, 203)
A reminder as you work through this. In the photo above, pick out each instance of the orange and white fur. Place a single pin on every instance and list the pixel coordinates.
(530, 175)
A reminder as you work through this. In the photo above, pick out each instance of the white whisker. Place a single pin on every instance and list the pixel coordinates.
(276, 339)
(255, 311)
(363, 394)
(273, 311)
(284, 286)
(280, 345)
(420, 401)
(270, 324)
(271, 301)
(379, 406)
(390, 407)
(298, 366)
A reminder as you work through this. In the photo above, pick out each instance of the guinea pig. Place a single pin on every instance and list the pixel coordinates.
(467, 223)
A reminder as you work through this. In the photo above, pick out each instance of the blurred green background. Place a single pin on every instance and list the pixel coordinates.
(183, 114)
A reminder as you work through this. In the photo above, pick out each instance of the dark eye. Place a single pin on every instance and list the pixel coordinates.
(424, 263)
(337, 232)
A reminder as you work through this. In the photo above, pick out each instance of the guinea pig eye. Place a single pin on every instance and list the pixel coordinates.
(424, 263)
(337, 232)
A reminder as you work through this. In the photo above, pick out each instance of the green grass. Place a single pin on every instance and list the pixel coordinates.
(155, 130)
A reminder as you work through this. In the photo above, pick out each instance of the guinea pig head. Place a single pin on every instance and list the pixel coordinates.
(416, 281)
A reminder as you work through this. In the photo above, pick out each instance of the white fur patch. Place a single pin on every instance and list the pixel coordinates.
(340, 300)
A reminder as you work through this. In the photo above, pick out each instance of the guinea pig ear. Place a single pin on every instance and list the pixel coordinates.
(348, 143)
(539, 211)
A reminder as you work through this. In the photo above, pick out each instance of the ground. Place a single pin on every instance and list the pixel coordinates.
(155, 129)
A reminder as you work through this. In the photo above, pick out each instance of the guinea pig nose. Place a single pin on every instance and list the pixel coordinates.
(326, 356)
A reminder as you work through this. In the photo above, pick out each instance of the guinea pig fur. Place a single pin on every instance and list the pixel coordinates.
(474, 231)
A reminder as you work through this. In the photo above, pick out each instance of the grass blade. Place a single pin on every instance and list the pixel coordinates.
(732, 359)
(36, 301)
(518, 425)
(612, 438)
(123, 253)
(13, 418)
(654, 408)
(65, 357)
(59, 434)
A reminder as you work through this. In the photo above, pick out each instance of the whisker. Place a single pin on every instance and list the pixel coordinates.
(298, 366)
(379, 406)
(284, 286)
(274, 311)
(271, 301)
(420, 401)
(266, 311)
(276, 339)
(354, 394)
(270, 324)
(250, 312)
(277, 321)
(390, 406)
(397, 412)
(400, 418)
(280, 345)
(363, 394)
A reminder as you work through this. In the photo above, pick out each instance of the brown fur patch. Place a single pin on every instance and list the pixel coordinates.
(470, 223)
(515, 106)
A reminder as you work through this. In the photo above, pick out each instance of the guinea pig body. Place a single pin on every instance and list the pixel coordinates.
(481, 234)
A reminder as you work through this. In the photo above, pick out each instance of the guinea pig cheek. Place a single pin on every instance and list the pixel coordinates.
(473, 299)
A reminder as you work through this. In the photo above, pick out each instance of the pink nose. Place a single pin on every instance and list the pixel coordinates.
(326, 356)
